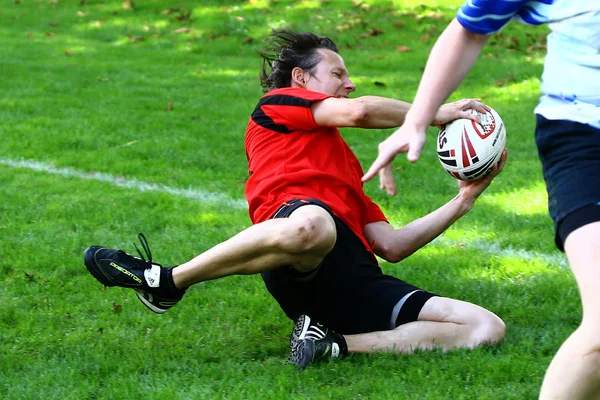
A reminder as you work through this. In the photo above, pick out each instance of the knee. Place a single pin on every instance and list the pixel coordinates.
(489, 329)
(313, 233)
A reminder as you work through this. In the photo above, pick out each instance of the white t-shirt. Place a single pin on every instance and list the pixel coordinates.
(571, 78)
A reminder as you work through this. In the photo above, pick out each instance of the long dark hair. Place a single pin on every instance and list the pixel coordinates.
(284, 50)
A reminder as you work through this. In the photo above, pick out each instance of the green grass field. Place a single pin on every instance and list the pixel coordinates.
(117, 120)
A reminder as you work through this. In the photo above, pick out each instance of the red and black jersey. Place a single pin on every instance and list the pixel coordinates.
(290, 156)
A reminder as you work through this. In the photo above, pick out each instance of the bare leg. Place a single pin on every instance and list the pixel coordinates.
(443, 323)
(301, 240)
(574, 373)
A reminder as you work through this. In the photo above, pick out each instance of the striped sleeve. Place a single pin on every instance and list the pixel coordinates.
(287, 110)
(490, 16)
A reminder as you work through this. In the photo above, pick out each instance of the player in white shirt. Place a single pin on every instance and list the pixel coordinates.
(568, 140)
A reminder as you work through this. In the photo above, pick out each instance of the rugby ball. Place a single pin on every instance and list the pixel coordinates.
(467, 149)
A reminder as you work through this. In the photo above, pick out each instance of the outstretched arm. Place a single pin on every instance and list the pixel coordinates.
(452, 56)
(374, 112)
(394, 245)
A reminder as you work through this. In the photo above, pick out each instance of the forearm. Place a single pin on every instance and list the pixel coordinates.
(450, 60)
(410, 238)
(381, 112)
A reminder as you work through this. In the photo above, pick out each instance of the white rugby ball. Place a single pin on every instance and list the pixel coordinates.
(467, 149)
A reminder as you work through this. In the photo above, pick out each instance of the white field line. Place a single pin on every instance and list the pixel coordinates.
(555, 258)
(194, 194)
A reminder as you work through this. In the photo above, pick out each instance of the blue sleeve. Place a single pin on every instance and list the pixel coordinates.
(490, 16)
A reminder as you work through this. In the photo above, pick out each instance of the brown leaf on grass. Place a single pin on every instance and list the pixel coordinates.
(128, 5)
(402, 49)
(398, 24)
(375, 32)
(135, 39)
(169, 107)
(17, 2)
(116, 308)
(184, 14)
(53, 24)
(29, 35)
(49, 33)
(512, 43)
(183, 30)
(425, 37)
(379, 84)
(503, 82)
(248, 40)
(68, 53)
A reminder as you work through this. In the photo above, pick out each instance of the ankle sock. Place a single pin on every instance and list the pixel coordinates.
(341, 341)
(167, 283)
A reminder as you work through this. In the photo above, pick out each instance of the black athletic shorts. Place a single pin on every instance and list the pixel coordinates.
(570, 155)
(348, 292)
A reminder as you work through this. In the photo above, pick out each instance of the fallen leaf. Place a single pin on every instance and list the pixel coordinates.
(402, 49)
(380, 84)
(128, 5)
(375, 32)
(116, 308)
(134, 39)
(248, 40)
(501, 83)
(398, 24)
(68, 53)
(169, 107)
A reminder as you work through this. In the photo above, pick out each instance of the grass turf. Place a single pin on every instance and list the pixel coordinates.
(160, 94)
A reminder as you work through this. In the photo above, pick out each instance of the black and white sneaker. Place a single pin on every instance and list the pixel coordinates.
(310, 342)
(307, 328)
(116, 268)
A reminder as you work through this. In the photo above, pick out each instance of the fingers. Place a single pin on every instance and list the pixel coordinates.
(387, 181)
(379, 163)
(415, 147)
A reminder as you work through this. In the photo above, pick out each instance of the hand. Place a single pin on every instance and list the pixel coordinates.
(459, 109)
(411, 138)
(469, 191)
(405, 139)
(387, 181)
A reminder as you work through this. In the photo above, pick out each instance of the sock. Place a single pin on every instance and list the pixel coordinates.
(341, 341)
(167, 283)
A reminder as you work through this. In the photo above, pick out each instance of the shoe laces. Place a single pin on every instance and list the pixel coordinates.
(146, 248)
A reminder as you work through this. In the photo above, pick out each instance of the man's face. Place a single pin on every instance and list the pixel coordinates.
(331, 76)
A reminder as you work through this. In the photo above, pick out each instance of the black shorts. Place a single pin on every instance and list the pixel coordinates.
(348, 292)
(570, 155)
